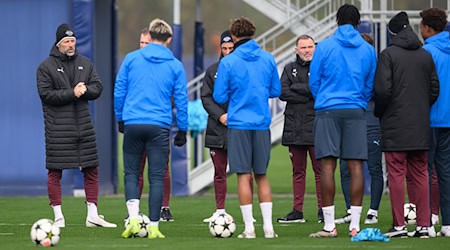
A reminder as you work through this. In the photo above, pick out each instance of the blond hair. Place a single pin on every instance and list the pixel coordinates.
(160, 30)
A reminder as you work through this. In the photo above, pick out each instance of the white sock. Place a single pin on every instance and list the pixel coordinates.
(57, 211)
(373, 211)
(247, 217)
(328, 216)
(133, 208)
(349, 211)
(92, 210)
(356, 217)
(154, 223)
(220, 211)
(266, 210)
(164, 207)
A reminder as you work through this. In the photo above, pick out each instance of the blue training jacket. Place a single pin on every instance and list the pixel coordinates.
(439, 48)
(247, 78)
(146, 82)
(342, 71)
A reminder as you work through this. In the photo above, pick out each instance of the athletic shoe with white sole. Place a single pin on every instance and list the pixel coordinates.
(214, 215)
(420, 232)
(165, 214)
(292, 217)
(345, 219)
(98, 222)
(270, 234)
(371, 219)
(247, 235)
(431, 232)
(324, 234)
(445, 231)
(399, 232)
(60, 222)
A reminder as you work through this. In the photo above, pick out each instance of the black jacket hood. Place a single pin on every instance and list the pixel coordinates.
(406, 39)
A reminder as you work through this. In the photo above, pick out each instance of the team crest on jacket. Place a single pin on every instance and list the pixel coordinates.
(80, 67)
(294, 72)
(60, 70)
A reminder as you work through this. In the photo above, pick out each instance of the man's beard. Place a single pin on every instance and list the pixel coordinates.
(70, 53)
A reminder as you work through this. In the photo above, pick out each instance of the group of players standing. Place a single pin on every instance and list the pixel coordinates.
(329, 96)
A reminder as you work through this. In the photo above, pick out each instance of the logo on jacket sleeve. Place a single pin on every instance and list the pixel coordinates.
(60, 70)
(294, 72)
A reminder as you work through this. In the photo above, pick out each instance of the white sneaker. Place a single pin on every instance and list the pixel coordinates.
(60, 222)
(371, 219)
(270, 234)
(434, 219)
(214, 215)
(431, 232)
(247, 235)
(98, 222)
(445, 231)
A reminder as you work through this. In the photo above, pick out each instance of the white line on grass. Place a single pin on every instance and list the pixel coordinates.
(6, 234)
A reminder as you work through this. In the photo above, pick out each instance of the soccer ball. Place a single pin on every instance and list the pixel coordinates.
(222, 226)
(410, 213)
(45, 233)
(144, 221)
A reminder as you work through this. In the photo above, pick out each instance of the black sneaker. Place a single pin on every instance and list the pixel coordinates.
(320, 218)
(165, 214)
(293, 217)
(421, 232)
(401, 233)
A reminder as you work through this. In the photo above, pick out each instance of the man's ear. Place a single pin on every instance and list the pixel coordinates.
(168, 41)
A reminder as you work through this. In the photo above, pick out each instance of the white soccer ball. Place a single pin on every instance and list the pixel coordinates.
(222, 226)
(144, 222)
(45, 233)
(410, 213)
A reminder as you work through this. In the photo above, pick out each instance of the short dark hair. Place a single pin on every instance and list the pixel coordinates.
(348, 14)
(242, 27)
(435, 18)
(303, 37)
(145, 31)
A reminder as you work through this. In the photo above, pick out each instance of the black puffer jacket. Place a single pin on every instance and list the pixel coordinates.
(299, 114)
(406, 85)
(69, 134)
(216, 132)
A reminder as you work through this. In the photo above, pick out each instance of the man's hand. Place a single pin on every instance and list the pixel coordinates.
(121, 126)
(223, 119)
(180, 138)
(79, 89)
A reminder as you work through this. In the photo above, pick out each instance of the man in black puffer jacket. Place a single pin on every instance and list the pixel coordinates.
(66, 81)
(298, 126)
(406, 85)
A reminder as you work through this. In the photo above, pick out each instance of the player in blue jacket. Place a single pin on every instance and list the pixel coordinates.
(246, 79)
(341, 82)
(437, 43)
(147, 81)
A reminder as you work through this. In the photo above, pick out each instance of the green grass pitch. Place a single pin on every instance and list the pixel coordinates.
(188, 231)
